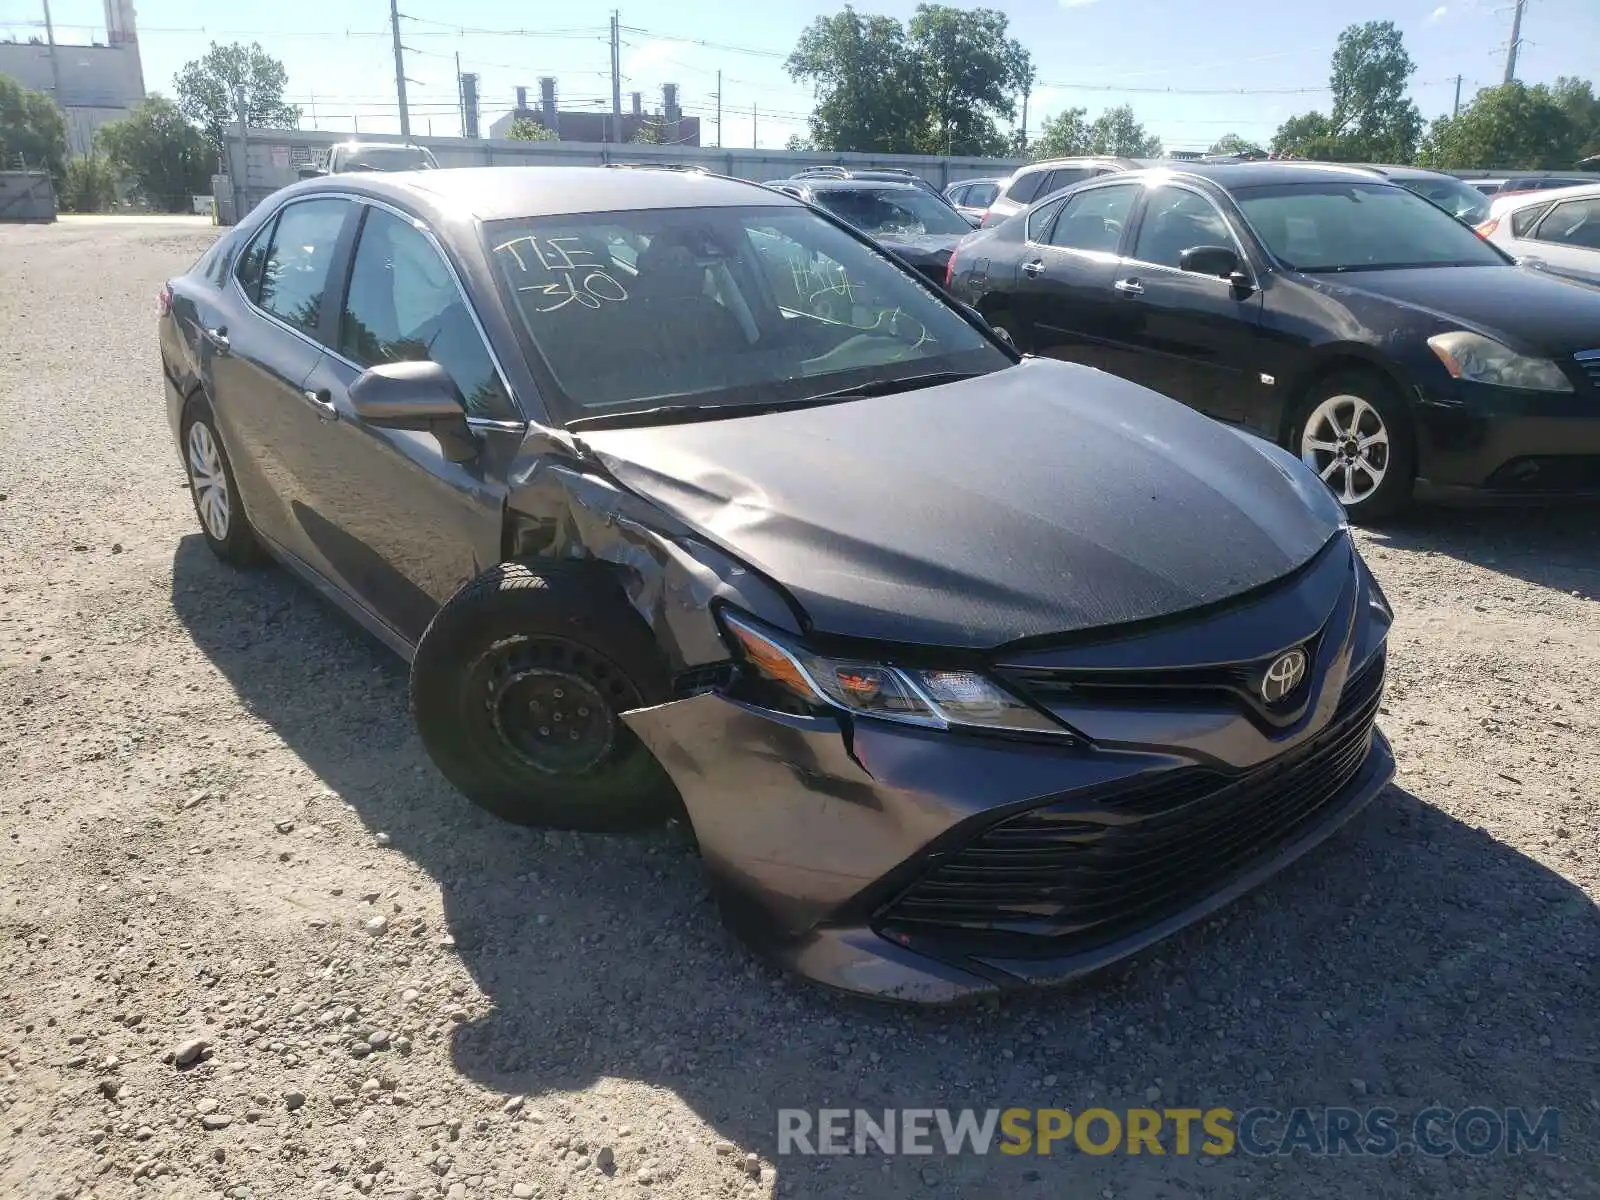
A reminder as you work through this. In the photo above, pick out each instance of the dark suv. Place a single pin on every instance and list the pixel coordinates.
(1038, 180)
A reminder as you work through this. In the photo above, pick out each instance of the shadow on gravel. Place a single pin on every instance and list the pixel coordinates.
(1412, 953)
(1557, 547)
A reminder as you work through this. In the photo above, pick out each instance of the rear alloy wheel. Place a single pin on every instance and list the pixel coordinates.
(518, 687)
(1357, 440)
(211, 485)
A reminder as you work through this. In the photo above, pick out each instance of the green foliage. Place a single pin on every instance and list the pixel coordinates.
(1510, 126)
(971, 72)
(208, 88)
(1232, 143)
(649, 134)
(88, 185)
(1576, 98)
(799, 144)
(938, 86)
(32, 129)
(1064, 135)
(162, 155)
(1372, 120)
(1117, 132)
(526, 129)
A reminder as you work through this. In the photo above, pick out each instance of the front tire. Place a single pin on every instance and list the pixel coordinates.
(1354, 431)
(518, 685)
(212, 488)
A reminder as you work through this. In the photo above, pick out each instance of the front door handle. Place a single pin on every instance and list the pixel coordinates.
(322, 400)
(1033, 269)
(1129, 287)
(218, 337)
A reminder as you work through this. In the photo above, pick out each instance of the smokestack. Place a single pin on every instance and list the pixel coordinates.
(469, 105)
(547, 101)
(522, 98)
(638, 103)
(669, 101)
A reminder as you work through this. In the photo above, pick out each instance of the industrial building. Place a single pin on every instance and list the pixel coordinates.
(668, 125)
(93, 84)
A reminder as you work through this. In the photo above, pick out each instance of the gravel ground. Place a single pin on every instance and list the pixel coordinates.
(219, 826)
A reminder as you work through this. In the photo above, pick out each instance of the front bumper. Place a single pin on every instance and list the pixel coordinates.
(831, 844)
(1499, 445)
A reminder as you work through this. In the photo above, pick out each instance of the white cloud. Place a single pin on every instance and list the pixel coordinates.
(1076, 3)
(1439, 14)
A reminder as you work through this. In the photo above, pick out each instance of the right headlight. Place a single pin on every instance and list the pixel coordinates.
(1479, 359)
(909, 696)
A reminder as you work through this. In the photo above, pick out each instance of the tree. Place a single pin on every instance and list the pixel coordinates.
(1064, 135)
(1116, 131)
(33, 130)
(1576, 98)
(799, 144)
(210, 87)
(648, 134)
(1372, 120)
(1232, 143)
(88, 184)
(1510, 126)
(526, 129)
(160, 153)
(869, 88)
(972, 73)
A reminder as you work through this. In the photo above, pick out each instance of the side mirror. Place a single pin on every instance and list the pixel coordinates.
(1221, 261)
(419, 396)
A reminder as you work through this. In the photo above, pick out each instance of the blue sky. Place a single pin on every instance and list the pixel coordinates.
(1093, 53)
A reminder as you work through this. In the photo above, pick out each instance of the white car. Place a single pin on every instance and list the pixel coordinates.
(1557, 231)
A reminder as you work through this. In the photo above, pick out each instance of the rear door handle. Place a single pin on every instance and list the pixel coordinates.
(322, 400)
(1033, 269)
(1129, 287)
(218, 337)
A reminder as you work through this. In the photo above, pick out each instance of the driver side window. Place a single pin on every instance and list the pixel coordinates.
(404, 306)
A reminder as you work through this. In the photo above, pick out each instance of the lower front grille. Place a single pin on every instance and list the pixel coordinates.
(1072, 876)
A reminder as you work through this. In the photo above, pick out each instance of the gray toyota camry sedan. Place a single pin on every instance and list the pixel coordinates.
(967, 670)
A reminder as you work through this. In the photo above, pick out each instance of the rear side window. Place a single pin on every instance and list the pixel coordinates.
(404, 306)
(1025, 187)
(295, 269)
(1523, 220)
(1041, 218)
(981, 195)
(1572, 223)
(1093, 220)
(1065, 177)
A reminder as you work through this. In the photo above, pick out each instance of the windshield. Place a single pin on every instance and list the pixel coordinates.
(1316, 227)
(387, 158)
(888, 212)
(1461, 201)
(719, 306)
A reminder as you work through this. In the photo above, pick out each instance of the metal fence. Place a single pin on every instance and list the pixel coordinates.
(264, 160)
(27, 196)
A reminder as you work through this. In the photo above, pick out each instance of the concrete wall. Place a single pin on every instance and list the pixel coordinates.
(98, 83)
(26, 196)
(270, 159)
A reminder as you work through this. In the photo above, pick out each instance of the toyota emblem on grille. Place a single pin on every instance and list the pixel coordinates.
(1283, 675)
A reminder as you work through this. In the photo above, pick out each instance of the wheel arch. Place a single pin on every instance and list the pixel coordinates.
(1331, 360)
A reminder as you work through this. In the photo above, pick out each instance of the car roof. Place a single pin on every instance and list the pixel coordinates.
(1401, 172)
(1045, 164)
(1511, 201)
(499, 193)
(1266, 172)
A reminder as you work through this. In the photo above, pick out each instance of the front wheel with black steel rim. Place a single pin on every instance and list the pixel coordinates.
(518, 687)
(1356, 435)
(216, 496)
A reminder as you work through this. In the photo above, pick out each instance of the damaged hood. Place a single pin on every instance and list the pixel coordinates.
(1041, 499)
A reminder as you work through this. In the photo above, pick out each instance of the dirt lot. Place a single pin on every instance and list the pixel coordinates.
(218, 824)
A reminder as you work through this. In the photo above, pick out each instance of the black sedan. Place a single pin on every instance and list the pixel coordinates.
(1338, 314)
(682, 498)
(922, 229)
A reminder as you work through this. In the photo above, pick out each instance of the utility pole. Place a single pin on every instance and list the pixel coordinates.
(1456, 111)
(400, 70)
(616, 74)
(461, 97)
(755, 142)
(719, 108)
(1026, 92)
(1516, 42)
(55, 67)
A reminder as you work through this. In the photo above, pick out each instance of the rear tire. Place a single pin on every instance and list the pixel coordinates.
(517, 686)
(1355, 432)
(212, 488)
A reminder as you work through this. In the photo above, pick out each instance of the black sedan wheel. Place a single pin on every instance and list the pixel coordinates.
(1356, 435)
(518, 686)
(216, 497)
